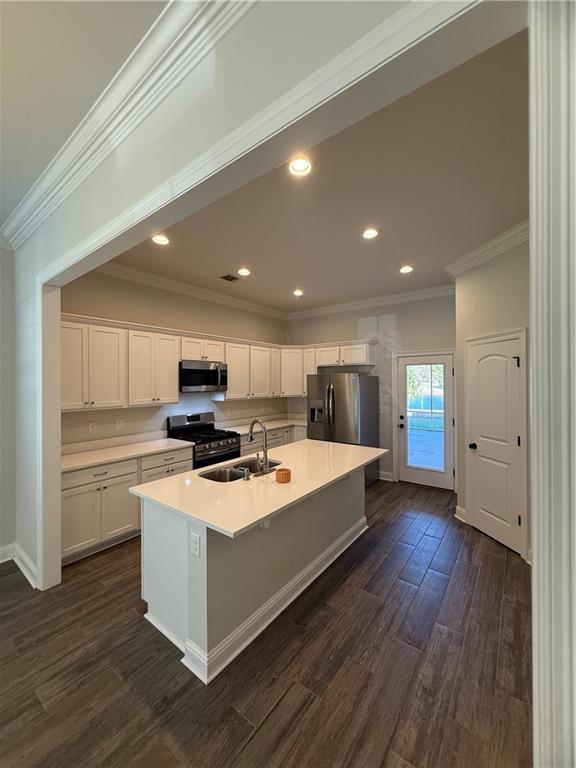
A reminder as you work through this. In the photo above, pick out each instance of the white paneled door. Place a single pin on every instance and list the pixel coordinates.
(496, 465)
(425, 423)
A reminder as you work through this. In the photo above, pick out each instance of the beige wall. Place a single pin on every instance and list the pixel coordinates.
(409, 327)
(100, 295)
(492, 298)
(6, 397)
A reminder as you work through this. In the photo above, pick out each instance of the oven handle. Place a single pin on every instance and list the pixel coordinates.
(219, 381)
(217, 451)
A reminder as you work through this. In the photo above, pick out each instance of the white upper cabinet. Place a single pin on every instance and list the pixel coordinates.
(260, 372)
(166, 349)
(74, 361)
(202, 349)
(238, 361)
(93, 366)
(292, 372)
(309, 364)
(152, 368)
(327, 356)
(107, 367)
(356, 354)
(275, 373)
(348, 354)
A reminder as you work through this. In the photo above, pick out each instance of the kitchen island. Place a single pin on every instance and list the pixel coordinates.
(221, 560)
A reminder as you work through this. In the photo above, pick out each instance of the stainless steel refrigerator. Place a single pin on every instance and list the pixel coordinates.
(343, 408)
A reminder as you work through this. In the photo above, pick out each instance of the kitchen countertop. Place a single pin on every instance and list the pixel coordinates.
(73, 461)
(243, 429)
(231, 508)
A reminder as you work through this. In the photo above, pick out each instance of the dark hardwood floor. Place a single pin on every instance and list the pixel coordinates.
(411, 651)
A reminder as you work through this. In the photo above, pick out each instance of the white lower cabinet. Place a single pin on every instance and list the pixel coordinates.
(159, 473)
(119, 509)
(80, 519)
(300, 433)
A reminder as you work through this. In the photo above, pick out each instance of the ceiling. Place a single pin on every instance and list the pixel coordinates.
(438, 172)
(52, 70)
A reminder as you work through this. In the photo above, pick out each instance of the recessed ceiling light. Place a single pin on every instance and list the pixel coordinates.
(160, 240)
(244, 272)
(370, 233)
(406, 269)
(300, 166)
(298, 292)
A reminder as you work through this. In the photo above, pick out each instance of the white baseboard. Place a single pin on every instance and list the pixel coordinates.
(208, 666)
(7, 552)
(165, 631)
(388, 476)
(26, 565)
(460, 514)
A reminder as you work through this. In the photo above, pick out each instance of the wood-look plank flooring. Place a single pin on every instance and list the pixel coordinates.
(411, 651)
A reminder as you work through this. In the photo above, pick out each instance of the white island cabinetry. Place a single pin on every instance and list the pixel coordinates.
(241, 552)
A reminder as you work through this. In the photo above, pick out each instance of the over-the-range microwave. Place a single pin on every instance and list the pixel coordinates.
(203, 376)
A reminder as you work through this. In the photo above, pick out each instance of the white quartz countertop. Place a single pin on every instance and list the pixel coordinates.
(243, 429)
(231, 508)
(94, 458)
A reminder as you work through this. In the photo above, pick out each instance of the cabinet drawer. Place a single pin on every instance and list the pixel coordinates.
(159, 473)
(276, 434)
(96, 474)
(166, 459)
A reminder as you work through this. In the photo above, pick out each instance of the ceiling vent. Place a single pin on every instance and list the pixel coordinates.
(229, 278)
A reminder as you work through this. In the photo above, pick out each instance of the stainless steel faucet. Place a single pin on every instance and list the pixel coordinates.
(265, 464)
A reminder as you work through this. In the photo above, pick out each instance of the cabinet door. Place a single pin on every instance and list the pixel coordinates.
(300, 433)
(120, 510)
(149, 475)
(166, 350)
(214, 351)
(355, 354)
(80, 518)
(238, 361)
(107, 367)
(275, 373)
(140, 367)
(327, 356)
(191, 349)
(309, 363)
(292, 372)
(259, 371)
(74, 362)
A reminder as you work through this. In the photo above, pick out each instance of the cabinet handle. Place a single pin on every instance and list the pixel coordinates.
(86, 402)
(169, 458)
(104, 487)
(92, 403)
(100, 474)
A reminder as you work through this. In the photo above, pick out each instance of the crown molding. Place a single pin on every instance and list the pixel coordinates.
(496, 247)
(183, 34)
(176, 286)
(153, 280)
(375, 302)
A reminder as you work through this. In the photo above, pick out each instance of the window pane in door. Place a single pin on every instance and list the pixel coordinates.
(425, 416)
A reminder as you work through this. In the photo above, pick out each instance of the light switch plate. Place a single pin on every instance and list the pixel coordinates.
(195, 544)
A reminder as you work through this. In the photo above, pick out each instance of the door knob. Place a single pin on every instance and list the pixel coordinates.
(401, 426)
(473, 446)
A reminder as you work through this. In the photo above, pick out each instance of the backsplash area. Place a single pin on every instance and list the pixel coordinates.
(125, 425)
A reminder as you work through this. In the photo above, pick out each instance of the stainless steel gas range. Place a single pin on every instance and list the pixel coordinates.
(211, 445)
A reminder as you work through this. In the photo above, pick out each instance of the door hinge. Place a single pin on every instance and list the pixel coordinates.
(517, 358)
(518, 439)
(452, 371)
(453, 422)
(519, 519)
(453, 473)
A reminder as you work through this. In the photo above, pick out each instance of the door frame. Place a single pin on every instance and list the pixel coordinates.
(396, 409)
(521, 335)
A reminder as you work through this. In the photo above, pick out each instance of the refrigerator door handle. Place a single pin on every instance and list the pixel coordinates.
(331, 401)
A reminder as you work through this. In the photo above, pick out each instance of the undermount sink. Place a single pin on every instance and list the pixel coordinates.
(236, 471)
(253, 465)
(223, 475)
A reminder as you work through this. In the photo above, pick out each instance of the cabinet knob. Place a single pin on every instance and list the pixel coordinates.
(86, 402)
(92, 403)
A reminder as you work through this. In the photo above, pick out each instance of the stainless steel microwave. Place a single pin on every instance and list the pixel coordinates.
(203, 376)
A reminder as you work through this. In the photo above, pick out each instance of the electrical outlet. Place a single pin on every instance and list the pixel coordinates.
(195, 544)
(91, 427)
(119, 424)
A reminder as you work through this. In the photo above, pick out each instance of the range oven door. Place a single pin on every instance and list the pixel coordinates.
(203, 376)
(216, 456)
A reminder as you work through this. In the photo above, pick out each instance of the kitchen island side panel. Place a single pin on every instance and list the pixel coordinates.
(245, 572)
